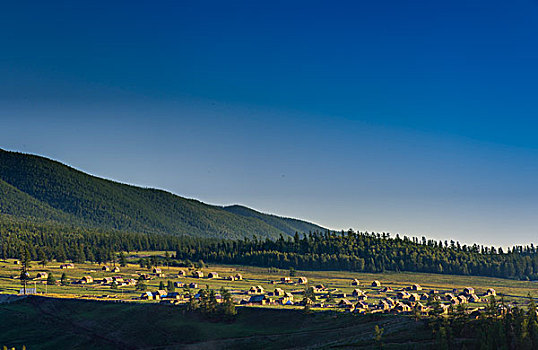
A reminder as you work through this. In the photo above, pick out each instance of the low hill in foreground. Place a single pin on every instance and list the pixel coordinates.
(40, 189)
(61, 324)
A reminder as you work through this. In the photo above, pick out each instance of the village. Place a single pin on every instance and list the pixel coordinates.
(257, 287)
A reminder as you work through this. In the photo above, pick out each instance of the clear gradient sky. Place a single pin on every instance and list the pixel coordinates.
(410, 117)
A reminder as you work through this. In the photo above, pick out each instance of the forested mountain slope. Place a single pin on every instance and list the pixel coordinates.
(37, 188)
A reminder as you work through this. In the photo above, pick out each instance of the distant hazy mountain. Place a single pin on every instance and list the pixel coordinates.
(40, 189)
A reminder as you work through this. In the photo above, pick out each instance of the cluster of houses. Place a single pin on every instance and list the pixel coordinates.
(288, 291)
(404, 300)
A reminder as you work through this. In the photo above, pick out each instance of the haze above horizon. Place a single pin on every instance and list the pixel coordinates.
(416, 118)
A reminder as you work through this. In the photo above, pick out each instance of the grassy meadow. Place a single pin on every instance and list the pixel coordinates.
(513, 291)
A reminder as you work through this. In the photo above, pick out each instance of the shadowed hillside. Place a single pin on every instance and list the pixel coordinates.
(38, 188)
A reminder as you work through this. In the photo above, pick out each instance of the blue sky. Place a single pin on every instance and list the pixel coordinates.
(411, 117)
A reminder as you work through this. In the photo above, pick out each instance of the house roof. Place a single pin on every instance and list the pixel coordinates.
(256, 298)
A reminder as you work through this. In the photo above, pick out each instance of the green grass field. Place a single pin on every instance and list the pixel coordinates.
(9, 283)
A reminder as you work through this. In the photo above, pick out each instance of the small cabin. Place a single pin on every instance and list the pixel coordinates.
(239, 277)
(181, 273)
(286, 299)
(383, 305)
(179, 284)
(67, 266)
(421, 308)
(361, 305)
(403, 295)
(376, 283)
(157, 270)
(320, 287)
(345, 304)
(302, 280)
(86, 279)
(212, 275)
(105, 268)
(490, 292)
(416, 287)
(474, 298)
(42, 275)
(355, 282)
(357, 292)
(285, 280)
(193, 285)
(198, 274)
(362, 297)
(161, 293)
(173, 295)
(230, 278)
(116, 269)
(256, 290)
(147, 296)
(107, 280)
(278, 292)
(145, 276)
(387, 289)
(401, 307)
(414, 297)
(468, 291)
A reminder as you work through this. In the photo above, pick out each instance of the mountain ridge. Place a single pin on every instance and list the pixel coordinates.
(37, 188)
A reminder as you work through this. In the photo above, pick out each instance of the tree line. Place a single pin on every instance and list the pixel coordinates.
(352, 251)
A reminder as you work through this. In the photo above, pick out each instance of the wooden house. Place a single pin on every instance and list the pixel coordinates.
(179, 284)
(414, 297)
(193, 285)
(383, 305)
(107, 280)
(212, 275)
(403, 295)
(355, 282)
(181, 273)
(473, 298)
(490, 292)
(468, 291)
(230, 278)
(302, 280)
(161, 293)
(285, 280)
(401, 307)
(416, 287)
(157, 270)
(67, 266)
(147, 296)
(462, 299)
(239, 277)
(361, 305)
(357, 292)
(86, 279)
(42, 275)
(278, 292)
(115, 269)
(198, 274)
(105, 268)
(376, 283)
